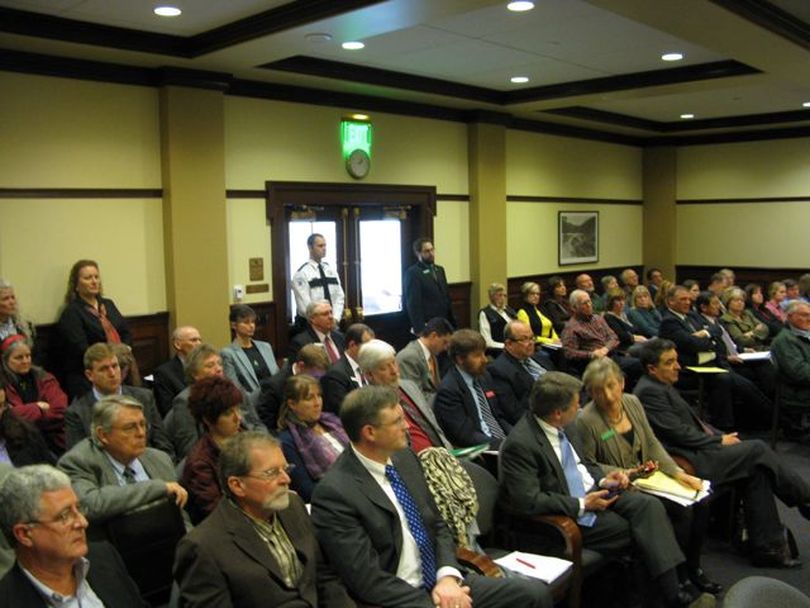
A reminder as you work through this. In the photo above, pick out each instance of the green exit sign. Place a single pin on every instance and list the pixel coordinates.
(355, 135)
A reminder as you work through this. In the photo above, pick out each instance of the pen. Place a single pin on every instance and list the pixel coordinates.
(525, 563)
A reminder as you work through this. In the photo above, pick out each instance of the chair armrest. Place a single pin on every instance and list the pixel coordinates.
(568, 530)
(480, 563)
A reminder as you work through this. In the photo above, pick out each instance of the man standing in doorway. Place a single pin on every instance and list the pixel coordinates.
(317, 280)
(425, 285)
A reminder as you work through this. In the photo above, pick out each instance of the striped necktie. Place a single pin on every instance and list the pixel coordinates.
(493, 429)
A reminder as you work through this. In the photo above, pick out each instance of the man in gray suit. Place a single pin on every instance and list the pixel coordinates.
(113, 471)
(418, 361)
(378, 362)
(102, 368)
(379, 527)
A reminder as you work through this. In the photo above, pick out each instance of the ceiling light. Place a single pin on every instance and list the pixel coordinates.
(167, 11)
(360, 116)
(672, 56)
(520, 6)
(687, 116)
(806, 104)
(519, 79)
(353, 46)
(318, 37)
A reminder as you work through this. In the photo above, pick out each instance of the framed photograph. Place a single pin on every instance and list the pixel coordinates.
(579, 237)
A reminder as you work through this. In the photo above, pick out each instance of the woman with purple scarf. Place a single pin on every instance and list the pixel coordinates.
(311, 438)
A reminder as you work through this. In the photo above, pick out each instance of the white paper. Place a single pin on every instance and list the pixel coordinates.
(682, 500)
(763, 355)
(543, 567)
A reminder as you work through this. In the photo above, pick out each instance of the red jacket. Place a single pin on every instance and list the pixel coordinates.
(50, 422)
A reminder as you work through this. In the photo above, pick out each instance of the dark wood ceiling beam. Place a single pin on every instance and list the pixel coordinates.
(771, 17)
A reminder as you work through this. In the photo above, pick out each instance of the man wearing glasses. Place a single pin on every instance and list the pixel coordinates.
(41, 518)
(257, 548)
(114, 471)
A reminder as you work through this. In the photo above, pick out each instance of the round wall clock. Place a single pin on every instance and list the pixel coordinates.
(358, 164)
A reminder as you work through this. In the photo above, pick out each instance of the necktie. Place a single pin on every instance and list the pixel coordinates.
(325, 285)
(534, 368)
(427, 554)
(731, 347)
(493, 429)
(574, 478)
(432, 368)
(331, 351)
(129, 475)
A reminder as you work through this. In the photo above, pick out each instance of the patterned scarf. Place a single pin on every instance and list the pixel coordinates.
(109, 329)
(315, 451)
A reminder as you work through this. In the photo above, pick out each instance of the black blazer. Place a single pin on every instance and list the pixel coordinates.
(513, 384)
(425, 296)
(107, 577)
(457, 411)
(170, 379)
(336, 383)
(308, 336)
(271, 396)
(680, 332)
(359, 529)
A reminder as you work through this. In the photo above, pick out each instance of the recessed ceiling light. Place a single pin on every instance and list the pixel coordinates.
(687, 116)
(672, 56)
(360, 116)
(520, 6)
(353, 46)
(318, 37)
(167, 11)
(806, 104)
(519, 79)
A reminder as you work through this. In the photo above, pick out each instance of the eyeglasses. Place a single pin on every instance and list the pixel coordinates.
(132, 427)
(65, 518)
(395, 422)
(523, 339)
(272, 474)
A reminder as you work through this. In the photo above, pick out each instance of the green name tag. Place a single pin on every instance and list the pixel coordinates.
(608, 434)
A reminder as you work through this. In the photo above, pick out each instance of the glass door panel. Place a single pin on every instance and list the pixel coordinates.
(380, 266)
(299, 231)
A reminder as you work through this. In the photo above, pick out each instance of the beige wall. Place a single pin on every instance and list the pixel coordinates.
(768, 234)
(549, 166)
(61, 133)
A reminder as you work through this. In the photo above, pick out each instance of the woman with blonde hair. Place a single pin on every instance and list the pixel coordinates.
(529, 312)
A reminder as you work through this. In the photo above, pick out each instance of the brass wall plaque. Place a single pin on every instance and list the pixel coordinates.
(260, 288)
(256, 269)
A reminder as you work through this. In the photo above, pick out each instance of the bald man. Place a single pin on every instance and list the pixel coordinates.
(170, 378)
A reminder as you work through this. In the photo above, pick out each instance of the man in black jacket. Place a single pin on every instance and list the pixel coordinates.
(170, 378)
(425, 288)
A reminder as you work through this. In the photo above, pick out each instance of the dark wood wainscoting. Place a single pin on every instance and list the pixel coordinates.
(744, 274)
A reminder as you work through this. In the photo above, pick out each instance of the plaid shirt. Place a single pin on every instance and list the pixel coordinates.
(583, 336)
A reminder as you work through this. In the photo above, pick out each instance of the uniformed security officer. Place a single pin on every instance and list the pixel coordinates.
(316, 280)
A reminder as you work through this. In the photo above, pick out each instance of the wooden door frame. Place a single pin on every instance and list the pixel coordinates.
(284, 195)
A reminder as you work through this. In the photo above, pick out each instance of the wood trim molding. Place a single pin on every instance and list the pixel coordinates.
(246, 194)
(563, 199)
(736, 201)
(772, 18)
(81, 193)
(453, 197)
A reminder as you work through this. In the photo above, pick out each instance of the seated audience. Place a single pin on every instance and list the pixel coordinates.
(654, 280)
(643, 314)
(616, 435)
(257, 548)
(130, 374)
(203, 362)
(722, 458)
(585, 283)
(11, 322)
(756, 304)
(515, 370)
(493, 318)
(214, 402)
(740, 323)
(791, 293)
(344, 375)
(791, 355)
(170, 377)
(378, 362)
(543, 474)
(629, 279)
(729, 276)
(311, 360)
(320, 329)
(419, 360)
(717, 287)
(556, 306)
(247, 361)
(609, 283)
(104, 373)
(466, 407)
(41, 518)
(804, 287)
(588, 336)
(692, 287)
(86, 319)
(20, 441)
(619, 322)
(530, 314)
(311, 438)
(381, 530)
(32, 393)
(776, 294)
(114, 471)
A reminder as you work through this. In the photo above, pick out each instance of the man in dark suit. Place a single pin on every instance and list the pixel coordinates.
(170, 378)
(377, 523)
(41, 518)
(544, 475)
(419, 360)
(466, 406)
(700, 343)
(257, 548)
(515, 370)
(722, 457)
(320, 330)
(311, 360)
(344, 375)
(426, 294)
(104, 372)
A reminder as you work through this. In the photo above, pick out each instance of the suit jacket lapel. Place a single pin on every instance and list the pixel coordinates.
(248, 540)
(548, 453)
(247, 368)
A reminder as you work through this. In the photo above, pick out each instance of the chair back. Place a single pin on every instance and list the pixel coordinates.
(486, 488)
(757, 591)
